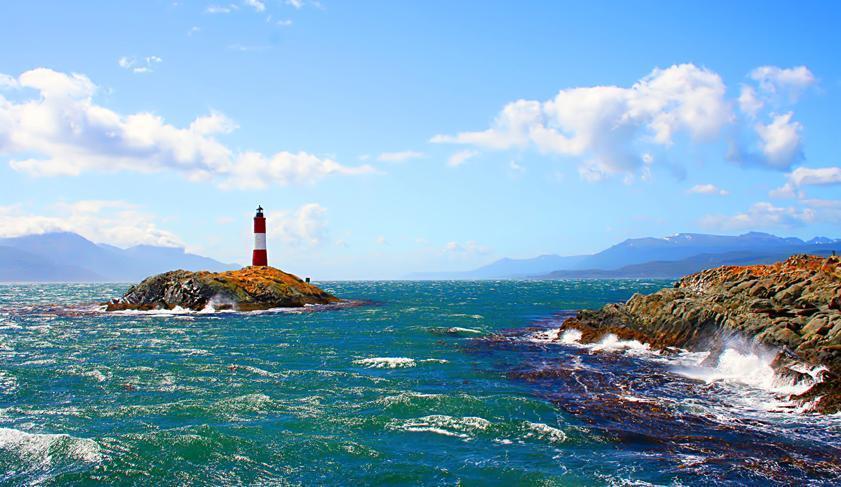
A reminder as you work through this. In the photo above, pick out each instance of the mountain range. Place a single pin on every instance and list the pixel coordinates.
(69, 257)
(665, 257)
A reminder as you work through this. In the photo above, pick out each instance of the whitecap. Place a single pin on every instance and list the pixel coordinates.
(386, 362)
(458, 427)
(39, 453)
(546, 432)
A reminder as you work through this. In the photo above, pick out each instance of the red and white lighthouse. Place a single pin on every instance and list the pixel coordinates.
(259, 257)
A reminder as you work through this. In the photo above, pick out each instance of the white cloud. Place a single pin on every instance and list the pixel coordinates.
(608, 129)
(516, 166)
(805, 176)
(460, 157)
(257, 5)
(787, 82)
(604, 124)
(143, 65)
(283, 23)
(303, 228)
(63, 132)
(381, 240)
(295, 3)
(468, 248)
(708, 189)
(761, 215)
(215, 123)
(399, 156)
(780, 141)
(221, 9)
(106, 221)
(749, 102)
(253, 170)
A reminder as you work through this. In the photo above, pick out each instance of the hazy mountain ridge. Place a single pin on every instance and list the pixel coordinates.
(671, 256)
(68, 257)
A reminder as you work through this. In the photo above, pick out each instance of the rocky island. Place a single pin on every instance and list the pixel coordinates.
(792, 308)
(247, 289)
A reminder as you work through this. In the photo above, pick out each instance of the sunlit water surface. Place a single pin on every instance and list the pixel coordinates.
(427, 382)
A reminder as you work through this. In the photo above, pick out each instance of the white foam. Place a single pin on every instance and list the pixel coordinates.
(752, 369)
(571, 336)
(386, 362)
(463, 427)
(396, 362)
(41, 449)
(551, 335)
(612, 343)
(458, 329)
(544, 431)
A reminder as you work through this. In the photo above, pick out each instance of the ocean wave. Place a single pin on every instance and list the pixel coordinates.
(386, 362)
(754, 369)
(454, 330)
(396, 362)
(459, 427)
(30, 458)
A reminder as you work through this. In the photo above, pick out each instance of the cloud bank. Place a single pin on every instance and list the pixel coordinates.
(63, 132)
(110, 221)
(613, 130)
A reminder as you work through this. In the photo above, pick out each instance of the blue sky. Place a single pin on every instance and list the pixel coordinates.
(390, 137)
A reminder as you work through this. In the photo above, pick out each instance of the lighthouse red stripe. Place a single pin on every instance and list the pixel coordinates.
(259, 225)
(260, 257)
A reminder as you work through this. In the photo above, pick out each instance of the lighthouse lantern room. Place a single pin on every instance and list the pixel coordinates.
(259, 257)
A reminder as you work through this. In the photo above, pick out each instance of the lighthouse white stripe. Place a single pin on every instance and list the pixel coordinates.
(259, 241)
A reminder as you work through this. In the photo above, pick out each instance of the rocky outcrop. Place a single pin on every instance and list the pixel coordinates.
(250, 288)
(792, 307)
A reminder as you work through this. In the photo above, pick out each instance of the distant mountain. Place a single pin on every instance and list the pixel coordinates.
(681, 246)
(646, 257)
(67, 257)
(678, 268)
(508, 268)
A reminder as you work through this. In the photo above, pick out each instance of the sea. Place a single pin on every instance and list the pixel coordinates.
(409, 383)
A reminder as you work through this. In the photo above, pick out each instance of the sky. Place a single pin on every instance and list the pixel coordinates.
(385, 138)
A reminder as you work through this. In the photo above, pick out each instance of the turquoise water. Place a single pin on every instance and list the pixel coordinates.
(424, 383)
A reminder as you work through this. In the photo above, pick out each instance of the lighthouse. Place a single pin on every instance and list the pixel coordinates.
(259, 257)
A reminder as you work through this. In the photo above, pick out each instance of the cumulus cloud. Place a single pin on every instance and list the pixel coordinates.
(708, 189)
(805, 176)
(257, 5)
(106, 221)
(221, 9)
(749, 101)
(605, 124)
(761, 215)
(302, 228)
(460, 157)
(140, 66)
(64, 132)
(399, 156)
(780, 141)
(467, 248)
(608, 129)
(787, 82)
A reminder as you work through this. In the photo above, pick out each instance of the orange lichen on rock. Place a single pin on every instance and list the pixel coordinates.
(249, 288)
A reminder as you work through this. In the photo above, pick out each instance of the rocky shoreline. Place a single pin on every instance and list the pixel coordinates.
(792, 308)
(247, 289)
